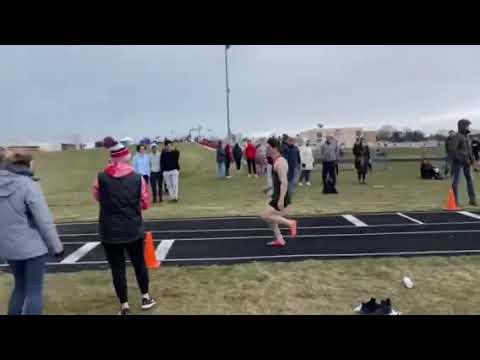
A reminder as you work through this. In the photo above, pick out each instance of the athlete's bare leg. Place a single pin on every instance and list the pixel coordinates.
(276, 218)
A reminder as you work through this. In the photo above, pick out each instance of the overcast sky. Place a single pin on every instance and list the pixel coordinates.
(51, 93)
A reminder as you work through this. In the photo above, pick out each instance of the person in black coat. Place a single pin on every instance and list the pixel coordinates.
(237, 155)
(361, 152)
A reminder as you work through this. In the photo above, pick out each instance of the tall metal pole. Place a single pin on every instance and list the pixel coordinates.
(227, 93)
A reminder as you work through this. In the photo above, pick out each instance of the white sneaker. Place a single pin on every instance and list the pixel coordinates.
(147, 304)
(249, 175)
(308, 184)
(300, 184)
(256, 176)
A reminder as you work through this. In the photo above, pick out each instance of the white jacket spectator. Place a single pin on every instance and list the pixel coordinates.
(306, 157)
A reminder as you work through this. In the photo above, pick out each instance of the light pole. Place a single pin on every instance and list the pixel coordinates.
(227, 93)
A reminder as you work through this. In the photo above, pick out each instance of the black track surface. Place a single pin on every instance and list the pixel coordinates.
(239, 240)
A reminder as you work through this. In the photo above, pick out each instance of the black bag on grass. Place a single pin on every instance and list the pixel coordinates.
(329, 187)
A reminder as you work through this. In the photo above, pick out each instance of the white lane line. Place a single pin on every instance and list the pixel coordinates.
(323, 216)
(326, 235)
(400, 253)
(339, 235)
(79, 253)
(469, 214)
(177, 220)
(76, 235)
(354, 220)
(163, 249)
(410, 218)
(300, 227)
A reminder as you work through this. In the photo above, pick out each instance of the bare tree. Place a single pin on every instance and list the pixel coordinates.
(385, 132)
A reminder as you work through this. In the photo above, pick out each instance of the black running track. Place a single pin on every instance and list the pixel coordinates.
(239, 240)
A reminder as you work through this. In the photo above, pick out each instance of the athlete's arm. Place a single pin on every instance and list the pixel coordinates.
(282, 171)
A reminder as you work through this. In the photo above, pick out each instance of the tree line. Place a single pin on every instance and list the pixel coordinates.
(389, 133)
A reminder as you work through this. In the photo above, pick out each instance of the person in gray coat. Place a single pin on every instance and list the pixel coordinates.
(463, 160)
(329, 155)
(27, 234)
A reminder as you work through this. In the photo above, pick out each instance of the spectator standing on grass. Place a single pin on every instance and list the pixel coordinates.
(164, 149)
(170, 163)
(122, 194)
(221, 159)
(156, 177)
(306, 157)
(27, 233)
(475, 151)
(228, 159)
(250, 154)
(463, 160)
(269, 156)
(361, 151)
(292, 155)
(329, 155)
(449, 152)
(260, 159)
(237, 155)
(141, 162)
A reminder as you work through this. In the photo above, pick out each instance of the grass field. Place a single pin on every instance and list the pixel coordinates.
(66, 178)
(412, 152)
(443, 285)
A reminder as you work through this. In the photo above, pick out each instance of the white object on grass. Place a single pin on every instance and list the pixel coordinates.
(407, 282)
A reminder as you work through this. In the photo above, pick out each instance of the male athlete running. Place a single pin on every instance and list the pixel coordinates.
(277, 208)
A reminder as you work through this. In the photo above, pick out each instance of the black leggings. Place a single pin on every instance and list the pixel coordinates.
(115, 254)
(238, 162)
(156, 180)
(251, 164)
(227, 168)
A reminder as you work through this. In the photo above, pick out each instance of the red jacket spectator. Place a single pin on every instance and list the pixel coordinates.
(228, 151)
(250, 151)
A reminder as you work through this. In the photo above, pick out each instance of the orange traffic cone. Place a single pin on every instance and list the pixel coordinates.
(452, 202)
(150, 256)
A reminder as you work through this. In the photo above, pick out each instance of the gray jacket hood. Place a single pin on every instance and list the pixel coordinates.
(9, 183)
(463, 126)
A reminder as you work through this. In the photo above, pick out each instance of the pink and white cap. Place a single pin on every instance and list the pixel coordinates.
(118, 152)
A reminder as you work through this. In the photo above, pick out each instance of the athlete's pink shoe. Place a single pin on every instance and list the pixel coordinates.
(293, 229)
(277, 243)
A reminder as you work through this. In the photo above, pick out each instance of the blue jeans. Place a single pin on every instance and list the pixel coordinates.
(221, 170)
(27, 295)
(448, 167)
(467, 171)
(292, 183)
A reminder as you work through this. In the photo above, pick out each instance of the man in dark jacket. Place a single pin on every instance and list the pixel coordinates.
(476, 152)
(449, 152)
(122, 195)
(237, 155)
(361, 151)
(284, 145)
(292, 155)
(221, 159)
(170, 164)
(463, 160)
